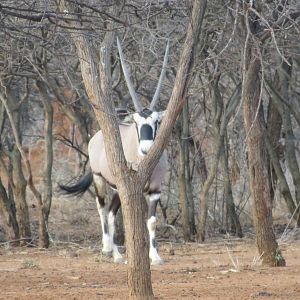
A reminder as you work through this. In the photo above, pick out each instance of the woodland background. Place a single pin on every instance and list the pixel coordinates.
(46, 119)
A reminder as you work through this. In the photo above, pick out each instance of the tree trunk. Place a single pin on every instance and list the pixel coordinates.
(188, 183)
(290, 149)
(284, 111)
(282, 182)
(19, 190)
(205, 193)
(134, 208)
(221, 119)
(200, 163)
(130, 189)
(274, 124)
(257, 162)
(48, 129)
(183, 198)
(184, 181)
(235, 226)
(8, 212)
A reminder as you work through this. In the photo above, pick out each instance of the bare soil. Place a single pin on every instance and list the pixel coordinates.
(223, 269)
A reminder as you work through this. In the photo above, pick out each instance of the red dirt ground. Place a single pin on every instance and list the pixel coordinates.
(191, 271)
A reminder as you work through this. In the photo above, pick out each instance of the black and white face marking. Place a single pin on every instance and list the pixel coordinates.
(147, 124)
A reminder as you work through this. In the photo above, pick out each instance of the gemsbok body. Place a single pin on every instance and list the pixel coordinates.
(137, 138)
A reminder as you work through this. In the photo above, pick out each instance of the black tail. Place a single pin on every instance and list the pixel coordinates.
(80, 187)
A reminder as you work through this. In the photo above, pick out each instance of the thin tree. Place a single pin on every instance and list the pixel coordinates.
(257, 153)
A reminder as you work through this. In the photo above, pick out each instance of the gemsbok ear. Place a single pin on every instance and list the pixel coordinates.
(128, 119)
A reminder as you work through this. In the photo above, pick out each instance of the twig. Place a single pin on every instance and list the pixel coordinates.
(291, 218)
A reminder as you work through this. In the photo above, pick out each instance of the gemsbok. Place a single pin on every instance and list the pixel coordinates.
(137, 138)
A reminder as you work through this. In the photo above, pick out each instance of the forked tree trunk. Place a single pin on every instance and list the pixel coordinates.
(257, 162)
(129, 186)
(130, 181)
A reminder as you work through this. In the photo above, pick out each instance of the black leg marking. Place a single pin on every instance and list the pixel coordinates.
(100, 199)
(115, 204)
(101, 203)
(98, 183)
(153, 242)
(105, 226)
(114, 207)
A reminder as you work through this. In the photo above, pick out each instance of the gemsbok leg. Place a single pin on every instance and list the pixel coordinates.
(151, 225)
(112, 212)
(106, 240)
(107, 218)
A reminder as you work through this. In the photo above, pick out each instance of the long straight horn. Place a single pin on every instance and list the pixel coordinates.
(161, 79)
(132, 92)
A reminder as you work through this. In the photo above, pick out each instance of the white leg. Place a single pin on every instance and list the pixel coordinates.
(106, 240)
(151, 225)
(111, 229)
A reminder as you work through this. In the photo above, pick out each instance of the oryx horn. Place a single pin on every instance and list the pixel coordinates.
(132, 92)
(161, 79)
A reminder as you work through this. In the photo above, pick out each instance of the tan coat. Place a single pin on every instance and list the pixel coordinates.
(129, 137)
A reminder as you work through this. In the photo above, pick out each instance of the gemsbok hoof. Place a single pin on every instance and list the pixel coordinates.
(157, 262)
(107, 253)
(119, 260)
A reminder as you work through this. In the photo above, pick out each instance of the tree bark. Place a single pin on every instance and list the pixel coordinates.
(19, 191)
(205, 192)
(274, 124)
(235, 226)
(257, 158)
(282, 182)
(183, 197)
(290, 149)
(48, 132)
(8, 212)
(189, 192)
